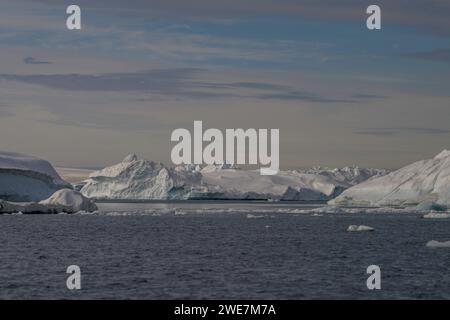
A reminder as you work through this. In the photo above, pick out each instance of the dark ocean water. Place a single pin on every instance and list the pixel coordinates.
(146, 254)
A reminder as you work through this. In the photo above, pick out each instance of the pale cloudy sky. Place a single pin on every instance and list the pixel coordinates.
(339, 93)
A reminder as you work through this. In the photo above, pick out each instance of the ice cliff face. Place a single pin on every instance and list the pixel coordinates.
(135, 179)
(350, 176)
(423, 181)
(25, 178)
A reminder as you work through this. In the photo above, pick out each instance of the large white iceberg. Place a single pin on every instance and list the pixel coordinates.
(26, 178)
(426, 181)
(138, 179)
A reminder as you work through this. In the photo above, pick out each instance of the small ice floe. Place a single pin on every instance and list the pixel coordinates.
(437, 215)
(438, 244)
(328, 209)
(254, 216)
(355, 228)
(317, 215)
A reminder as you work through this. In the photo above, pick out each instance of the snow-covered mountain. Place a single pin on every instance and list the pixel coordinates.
(135, 178)
(26, 178)
(420, 182)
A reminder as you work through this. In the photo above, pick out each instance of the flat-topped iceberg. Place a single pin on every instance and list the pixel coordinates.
(423, 182)
(26, 178)
(64, 200)
(137, 179)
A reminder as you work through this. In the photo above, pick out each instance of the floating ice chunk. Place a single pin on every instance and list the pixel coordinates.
(70, 201)
(329, 209)
(355, 228)
(437, 215)
(438, 244)
(254, 216)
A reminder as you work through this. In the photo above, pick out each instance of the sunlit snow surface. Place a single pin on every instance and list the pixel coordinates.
(426, 181)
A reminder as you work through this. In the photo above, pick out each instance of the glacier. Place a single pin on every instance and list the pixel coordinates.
(424, 183)
(25, 178)
(139, 179)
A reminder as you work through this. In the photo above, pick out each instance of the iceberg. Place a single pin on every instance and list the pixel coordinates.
(355, 228)
(437, 215)
(25, 178)
(438, 244)
(69, 201)
(138, 179)
(64, 200)
(426, 181)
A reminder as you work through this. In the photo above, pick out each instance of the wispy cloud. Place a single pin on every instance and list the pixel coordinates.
(156, 81)
(31, 60)
(440, 54)
(172, 83)
(301, 96)
(398, 131)
(4, 111)
(368, 96)
(431, 15)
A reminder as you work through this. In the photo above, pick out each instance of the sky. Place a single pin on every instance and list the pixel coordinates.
(137, 70)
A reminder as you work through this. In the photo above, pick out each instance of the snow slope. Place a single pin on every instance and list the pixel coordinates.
(26, 178)
(426, 181)
(135, 179)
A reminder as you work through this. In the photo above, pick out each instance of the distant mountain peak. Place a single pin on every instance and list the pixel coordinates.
(130, 158)
(443, 154)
